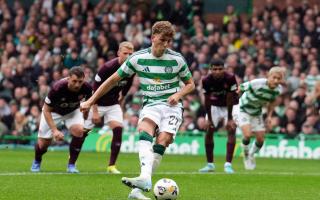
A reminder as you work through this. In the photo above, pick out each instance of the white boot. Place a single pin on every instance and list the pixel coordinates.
(136, 193)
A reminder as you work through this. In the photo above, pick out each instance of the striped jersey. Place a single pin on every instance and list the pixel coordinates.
(256, 94)
(159, 77)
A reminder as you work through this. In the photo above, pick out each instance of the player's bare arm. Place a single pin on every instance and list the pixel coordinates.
(188, 88)
(230, 124)
(58, 135)
(270, 108)
(96, 119)
(207, 106)
(106, 86)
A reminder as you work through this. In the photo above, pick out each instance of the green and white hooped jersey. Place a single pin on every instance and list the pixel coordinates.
(256, 94)
(159, 77)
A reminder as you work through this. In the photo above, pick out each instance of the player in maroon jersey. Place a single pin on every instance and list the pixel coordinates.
(108, 105)
(221, 103)
(62, 105)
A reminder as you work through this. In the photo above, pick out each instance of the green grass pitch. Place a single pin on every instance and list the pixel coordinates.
(274, 179)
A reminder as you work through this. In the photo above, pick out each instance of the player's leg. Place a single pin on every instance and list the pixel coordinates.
(114, 118)
(255, 148)
(245, 125)
(258, 129)
(209, 139)
(246, 133)
(115, 146)
(149, 119)
(146, 130)
(231, 141)
(40, 148)
(75, 146)
(74, 122)
(44, 140)
(163, 140)
(168, 128)
(209, 147)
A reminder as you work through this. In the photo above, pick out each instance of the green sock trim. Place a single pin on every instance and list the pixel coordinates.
(145, 136)
(159, 149)
(259, 145)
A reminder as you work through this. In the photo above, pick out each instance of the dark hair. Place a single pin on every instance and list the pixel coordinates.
(216, 63)
(78, 71)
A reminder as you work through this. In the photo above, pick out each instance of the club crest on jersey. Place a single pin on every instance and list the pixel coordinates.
(168, 69)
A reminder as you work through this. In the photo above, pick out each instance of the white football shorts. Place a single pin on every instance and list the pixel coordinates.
(110, 113)
(73, 118)
(168, 118)
(256, 122)
(221, 113)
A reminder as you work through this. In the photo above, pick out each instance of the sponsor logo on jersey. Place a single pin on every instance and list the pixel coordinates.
(157, 80)
(69, 105)
(158, 87)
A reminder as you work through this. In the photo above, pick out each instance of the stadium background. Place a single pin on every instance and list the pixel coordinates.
(252, 38)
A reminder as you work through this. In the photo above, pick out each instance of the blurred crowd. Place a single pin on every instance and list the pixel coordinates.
(39, 44)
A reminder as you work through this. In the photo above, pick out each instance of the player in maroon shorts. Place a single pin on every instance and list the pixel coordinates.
(62, 104)
(108, 105)
(221, 103)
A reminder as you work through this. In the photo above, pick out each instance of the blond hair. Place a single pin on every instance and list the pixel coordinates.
(127, 45)
(277, 70)
(164, 28)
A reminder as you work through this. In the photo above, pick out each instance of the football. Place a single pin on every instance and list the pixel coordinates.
(166, 189)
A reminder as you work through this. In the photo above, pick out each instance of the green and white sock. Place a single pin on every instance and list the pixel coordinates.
(145, 154)
(245, 146)
(255, 148)
(158, 150)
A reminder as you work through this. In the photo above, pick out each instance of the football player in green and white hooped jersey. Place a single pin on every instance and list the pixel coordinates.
(160, 71)
(257, 94)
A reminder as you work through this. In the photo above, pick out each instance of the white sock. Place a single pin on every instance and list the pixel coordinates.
(156, 161)
(146, 158)
(254, 149)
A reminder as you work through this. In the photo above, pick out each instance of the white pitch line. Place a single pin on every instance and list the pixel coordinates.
(161, 173)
